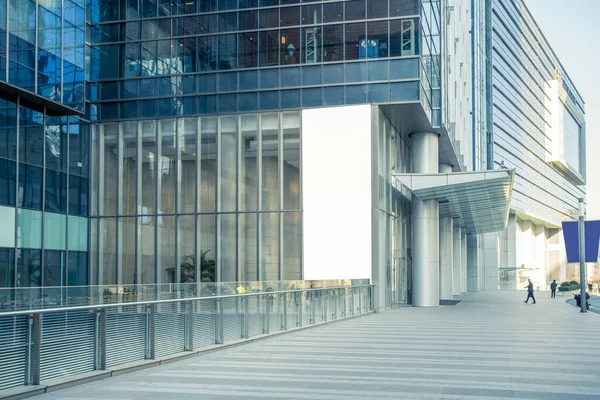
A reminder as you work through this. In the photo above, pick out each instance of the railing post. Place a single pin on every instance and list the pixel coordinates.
(371, 300)
(285, 304)
(352, 310)
(345, 302)
(100, 339)
(150, 331)
(312, 307)
(189, 331)
(360, 300)
(324, 295)
(34, 339)
(335, 303)
(219, 322)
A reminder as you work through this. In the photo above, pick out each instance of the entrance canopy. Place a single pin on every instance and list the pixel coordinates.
(479, 201)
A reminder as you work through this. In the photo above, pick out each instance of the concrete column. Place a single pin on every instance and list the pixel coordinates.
(425, 223)
(472, 263)
(463, 262)
(456, 252)
(446, 248)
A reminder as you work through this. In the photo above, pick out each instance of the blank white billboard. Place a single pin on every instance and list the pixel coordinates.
(336, 188)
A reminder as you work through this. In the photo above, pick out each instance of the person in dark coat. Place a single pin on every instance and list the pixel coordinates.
(553, 286)
(529, 288)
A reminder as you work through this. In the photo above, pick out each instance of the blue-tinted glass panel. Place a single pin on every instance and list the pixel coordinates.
(355, 45)
(377, 9)
(247, 101)
(311, 14)
(311, 97)
(269, 78)
(28, 268)
(333, 43)
(404, 7)
(333, 95)
(404, 37)
(290, 99)
(248, 80)
(290, 77)
(207, 104)
(77, 269)
(333, 74)
(290, 45)
(356, 72)
(290, 16)
(311, 75)
(269, 18)
(356, 94)
(404, 69)
(377, 71)
(227, 103)
(228, 82)
(333, 12)
(379, 93)
(355, 9)
(30, 187)
(269, 100)
(377, 43)
(269, 48)
(248, 20)
(207, 83)
(56, 192)
(404, 91)
(248, 49)
(227, 51)
(148, 108)
(7, 268)
(8, 179)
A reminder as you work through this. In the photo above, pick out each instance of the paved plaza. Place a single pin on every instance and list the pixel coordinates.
(490, 346)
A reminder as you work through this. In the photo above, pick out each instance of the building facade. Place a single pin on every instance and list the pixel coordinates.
(537, 127)
(158, 142)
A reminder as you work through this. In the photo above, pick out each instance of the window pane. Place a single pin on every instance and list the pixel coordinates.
(333, 12)
(403, 38)
(290, 45)
(31, 137)
(290, 134)
(269, 48)
(208, 167)
(248, 20)
(404, 68)
(127, 237)
(56, 192)
(8, 180)
(248, 80)
(56, 143)
(28, 268)
(333, 73)
(270, 161)
(290, 16)
(77, 238)
(7, 267)
(228, 163)
(30, 187)
(108, 250)
(248, 51)
(54, 268)
(290, 99)
(167, 248)
(311, 14)
(404, 7)
(187, 248)
(356, 72)
(227, 51)
(269, 78)
(55, 231)
(247, 101)
(269, 100)
(312, 46)
(147, 261)
(377, 9)
(356, 94)
(77, 269)
(355, 9)
(269, 18)
(269, 246)
(30, 229)
(247, 247)
(290, 77)
(128, 183)
(405, 91)
(248, 185)
(311, 97)
(109, 136)
(291, 248)
(227, 248)
(377, 35)
(206, 247)
(333, 43)
(379, 93)
(377, 71)
(333, 96)
(167, 165)
(188, 134)
(355, 34)
(148, 165)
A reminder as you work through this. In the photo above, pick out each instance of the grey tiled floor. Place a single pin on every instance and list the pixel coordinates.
(491, 346)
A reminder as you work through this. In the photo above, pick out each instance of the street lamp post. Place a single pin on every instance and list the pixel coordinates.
(583, 299)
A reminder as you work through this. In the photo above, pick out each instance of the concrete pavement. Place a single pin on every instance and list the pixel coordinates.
(490, 346)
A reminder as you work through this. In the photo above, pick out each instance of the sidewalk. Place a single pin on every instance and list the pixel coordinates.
(490, 346)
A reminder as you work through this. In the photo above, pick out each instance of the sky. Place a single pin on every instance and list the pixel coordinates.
(572, 28)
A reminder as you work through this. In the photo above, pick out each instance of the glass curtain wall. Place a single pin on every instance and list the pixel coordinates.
(198, 199)
(44, 163)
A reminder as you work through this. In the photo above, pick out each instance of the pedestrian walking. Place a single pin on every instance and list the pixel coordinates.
(553, 286)
(529, 288)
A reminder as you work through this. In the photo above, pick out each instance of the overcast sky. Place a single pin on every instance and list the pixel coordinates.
(573, 29)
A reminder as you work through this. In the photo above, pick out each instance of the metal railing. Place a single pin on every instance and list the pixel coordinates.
(40, 345)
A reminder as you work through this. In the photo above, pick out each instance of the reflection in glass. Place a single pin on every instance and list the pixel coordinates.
(403, 38)
(167, 165)
(290, 43)
(208, 165)
(146, 256)
(356, 47)
(109, 136)
(270, 161)
(186, 248)
(248, 168)
(7, 267)
(206, 244)
(77, 269)
(167, 249)
(227, 248)
(291, 246)
(107, 257)
(30, 187)
(148, 165)
(188, 135)
(28, 268)
(269, 48)
(247, 247)
(127, 237)
(54, 268)
(312, 45)
(128, 182)
(269, 246)
(290, 135)
(227, 163)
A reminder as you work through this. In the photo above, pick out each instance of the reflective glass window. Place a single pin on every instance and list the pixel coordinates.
(247, 101)
(311, 97)
(227, 103)
(404, 37)
(377, 71)
(404, 7)
(356, 72)
(333, 73)
(248, 80)
(56, 191)
(290, 16)
(311, 75)
(269, 78)
(146, 252)
(208, 165)
(30, 229)
(30, 187)
(333, 12)
(248, 168)
(356, 94)
(207, 248)
(404, 69)
(248, 49)
(8, 181)
(167, 249)
(269, 18)
(355, 9)
(377, 39)
(188, 144)
(290, 45)
(269, 48)
(269, 100)
(186, 248)
(228, 163)
(378, 93)
(7, 267)
(333, 43)
(148, 158)
(227, 247)
(77, 269)
(247, 242)
(312, 47)
(291, 246)
(290, 136)
(333, 95)
(167, 165)
(269, 246)
(248, 20)
(269, 124)
(290, 98)
(404, 91)
(311, 14)
(356, 45)
(29, 272)
(55, 231)
(290, 77)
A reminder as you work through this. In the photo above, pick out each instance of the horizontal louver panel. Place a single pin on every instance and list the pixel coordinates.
(13, 350)
(204, 329)
(125, 337)
(170, 333)
(67, 346)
